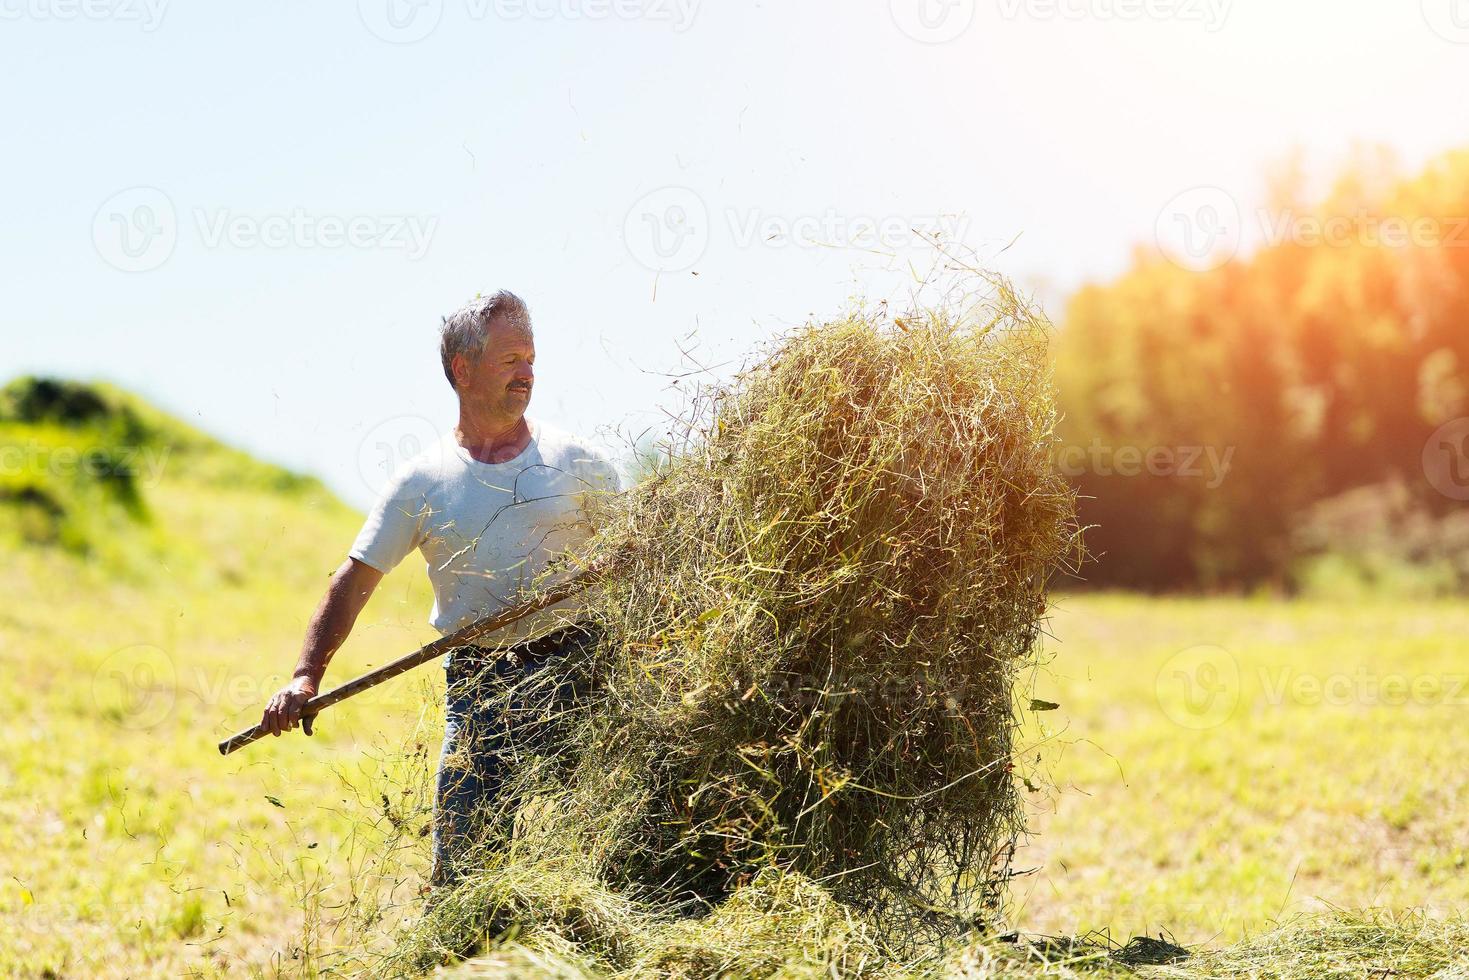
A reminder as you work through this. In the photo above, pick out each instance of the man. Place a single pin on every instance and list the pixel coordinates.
(489, 507)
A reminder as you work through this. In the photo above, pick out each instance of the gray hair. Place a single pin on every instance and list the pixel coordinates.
(466, 330)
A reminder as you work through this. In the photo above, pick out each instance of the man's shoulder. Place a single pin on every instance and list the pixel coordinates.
(431, 465)
(574, 453)
(554, 441)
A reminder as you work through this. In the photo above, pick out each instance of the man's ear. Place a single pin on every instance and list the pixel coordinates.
(459, 366)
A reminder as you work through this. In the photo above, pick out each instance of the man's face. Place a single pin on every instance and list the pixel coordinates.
(499, 379)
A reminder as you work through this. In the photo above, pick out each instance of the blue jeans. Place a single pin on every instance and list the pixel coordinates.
(500, 704)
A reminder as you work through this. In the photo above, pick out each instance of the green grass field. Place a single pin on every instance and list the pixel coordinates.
(1220, 764)
(130, 846)
(1226, 762)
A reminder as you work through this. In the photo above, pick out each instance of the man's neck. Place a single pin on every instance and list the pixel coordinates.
(491, 440)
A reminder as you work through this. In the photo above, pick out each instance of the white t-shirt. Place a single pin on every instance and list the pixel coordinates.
(488, 530)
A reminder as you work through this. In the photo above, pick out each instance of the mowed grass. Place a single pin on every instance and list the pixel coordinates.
(1222, 763)
(129, 846)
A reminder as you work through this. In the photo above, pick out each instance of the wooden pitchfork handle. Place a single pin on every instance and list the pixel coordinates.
(423, 655)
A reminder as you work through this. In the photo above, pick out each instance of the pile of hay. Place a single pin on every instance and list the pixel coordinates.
(813, 639)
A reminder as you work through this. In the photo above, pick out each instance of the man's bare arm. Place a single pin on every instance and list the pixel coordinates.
(351, 586)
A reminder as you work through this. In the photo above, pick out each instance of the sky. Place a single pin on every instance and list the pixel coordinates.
(256, 215)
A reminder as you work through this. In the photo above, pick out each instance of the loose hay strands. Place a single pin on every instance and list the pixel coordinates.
(785, 926)
(812, 645)
(1345, 945)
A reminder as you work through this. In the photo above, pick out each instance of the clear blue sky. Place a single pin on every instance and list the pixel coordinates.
(540, 145)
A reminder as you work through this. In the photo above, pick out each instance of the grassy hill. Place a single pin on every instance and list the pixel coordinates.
(1223, 764)
(157, 585)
